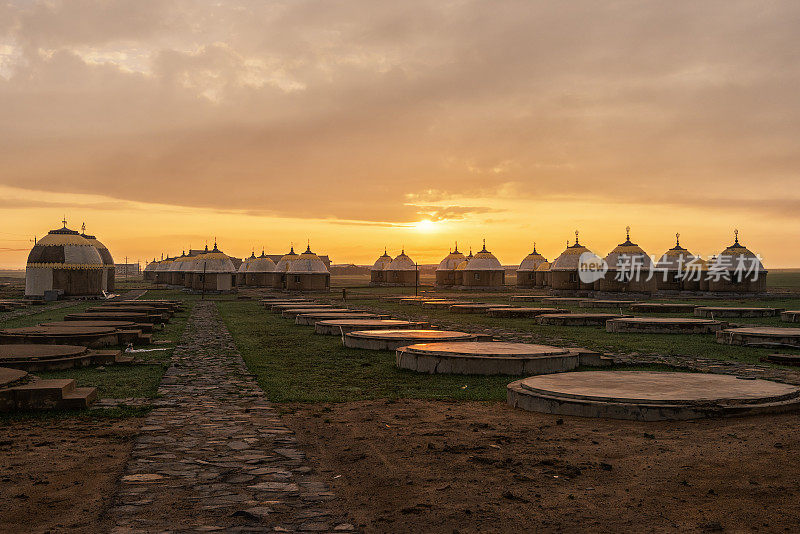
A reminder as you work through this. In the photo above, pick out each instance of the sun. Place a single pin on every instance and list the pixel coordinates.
(425, 225)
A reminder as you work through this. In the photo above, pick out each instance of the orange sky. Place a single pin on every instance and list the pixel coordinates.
(162, 124)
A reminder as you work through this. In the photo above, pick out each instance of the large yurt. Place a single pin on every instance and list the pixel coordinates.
(678, 270)
(484, 270)
(308, 273)
(564, 269)
(108, 261)
(66, 262)
(213, 271)
(241, 272)
(737, 269)
(446, 270)
(377, 273)
(261, 272)
(628, 268)
(526, 272)
(282, 267)
(402, 271)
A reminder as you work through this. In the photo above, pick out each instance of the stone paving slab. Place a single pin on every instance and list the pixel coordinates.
(214, 455)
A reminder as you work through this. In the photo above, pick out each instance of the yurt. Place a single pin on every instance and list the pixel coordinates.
(282, 267)
(261, 272)
(108, 261)
(628, 268)
(377, 274)
(149, 273)
(459, 274)
(564, 269)
(526, 272)
(678, 270)
(402, 271)
(163, 270)
(484, 270)
(737, 269)
(308, 273)
(542, 275)
(241, 272)
(64, 261)
(213, 271)
(446, 270)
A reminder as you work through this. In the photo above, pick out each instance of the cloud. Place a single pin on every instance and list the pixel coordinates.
(359, 110)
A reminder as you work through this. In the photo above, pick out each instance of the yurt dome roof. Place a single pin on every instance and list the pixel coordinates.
(569, 260)
(730, 258)
(677, 258)
(532, 261)
(213, 261)
(402, 263)
(451, 261)
(286, 261)
(101, 248)
(617, 257)
(308, 263)
(544, 266)
(261, 264)
(382, 263)
(64, 249)
(483, 261)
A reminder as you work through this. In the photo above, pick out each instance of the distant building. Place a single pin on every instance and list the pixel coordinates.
(484, 270)
(526, 273)
(446, 270)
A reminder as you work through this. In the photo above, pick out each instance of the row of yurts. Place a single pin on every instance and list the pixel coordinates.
(670, 273)
(69, 262)
(213, 270)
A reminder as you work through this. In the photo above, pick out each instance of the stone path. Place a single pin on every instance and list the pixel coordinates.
(214, 455)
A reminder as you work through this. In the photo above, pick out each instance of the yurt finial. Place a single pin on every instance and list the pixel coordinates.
(628, 233)
(677, 239)
(736, 235)
(534, 247)
(484, 245)
(456, 250)
(64, 220)
(576, 237)
(83, 227)
(308, 247)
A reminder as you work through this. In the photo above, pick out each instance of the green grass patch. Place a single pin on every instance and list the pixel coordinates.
(292, 364)
(119, 412)
(49, 314)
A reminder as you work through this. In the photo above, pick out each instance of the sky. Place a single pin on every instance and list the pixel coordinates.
(359, 125)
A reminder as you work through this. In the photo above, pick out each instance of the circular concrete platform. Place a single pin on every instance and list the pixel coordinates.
(437, 304)
(485, 358)
(310, 319)
(576, 319)
(475, 307)
(337, 327)
(790, 316)
(528, 298)
(724, 311)
(650, 396)
(760, 336)
(36, 357)
(10, 378)
(664, 325)
(593, 303)
(115, 316)
(97, 324)
(278, 308)
(394, 339)
(564, 300)
(522, 312)
(291, 313)
(88, 336)
(662, 307)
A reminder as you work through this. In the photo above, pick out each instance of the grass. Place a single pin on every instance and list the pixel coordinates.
(48, 314)
(120, 412)
(292, 364)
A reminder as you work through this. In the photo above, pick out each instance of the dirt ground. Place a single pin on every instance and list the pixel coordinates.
(417, 466)
(59, 475)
